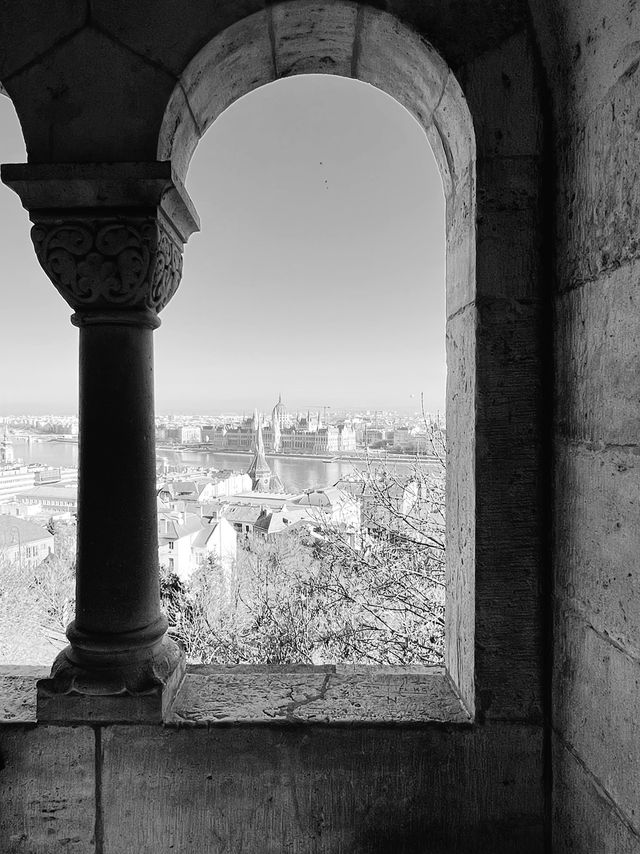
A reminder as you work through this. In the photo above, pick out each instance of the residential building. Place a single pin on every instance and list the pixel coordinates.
(185, 435)
(16, 478)
(186, 541)
(52, 499)
(202, 490)
(275, 513)
(331, 506)
(23, 541)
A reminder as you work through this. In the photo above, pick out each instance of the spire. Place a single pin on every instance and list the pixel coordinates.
(277, 436)
(278, 418)
(6, 448)
(254, 427)
(259, 470)
(260, 440)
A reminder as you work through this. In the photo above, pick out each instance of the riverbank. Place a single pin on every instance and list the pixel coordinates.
(324, 458)
(370, 456)
(297, 473)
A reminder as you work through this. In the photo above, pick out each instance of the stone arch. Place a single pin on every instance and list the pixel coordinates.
(351, 40)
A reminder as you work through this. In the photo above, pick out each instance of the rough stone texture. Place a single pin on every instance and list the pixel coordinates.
(504, 283)
(169, 33)
(102, 94)
(461, 502)
(585, 819)
(317, 789)
(588, 668)
(78, 103)
(509, 511)
(45, 22)
(597, 573)
(47, 790)
(508, 210)
(18, 692)
(598, 346)
(234, 63)
(324, 694)
(461, 248)
(504, 100)
(295, 38)
(454, 123)
(593, 71)
(179, 134)
(588, 47)
(161, 31)
(400, 63)
(440, 155)
(462, 29)
(600, 187)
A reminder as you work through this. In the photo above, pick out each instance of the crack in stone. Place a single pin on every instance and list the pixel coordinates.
(291, 707)
(598, 785)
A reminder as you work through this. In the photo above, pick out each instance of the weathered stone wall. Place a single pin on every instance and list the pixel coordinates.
(285, 782)
(92, 83)
(593, 70)
(266, 790)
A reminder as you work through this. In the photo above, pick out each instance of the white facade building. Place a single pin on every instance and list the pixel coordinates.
(24, 541)
(186, 541)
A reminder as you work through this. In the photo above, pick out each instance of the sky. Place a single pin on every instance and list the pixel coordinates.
(318, 272)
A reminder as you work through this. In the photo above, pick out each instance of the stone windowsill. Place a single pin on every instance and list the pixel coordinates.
(214, 694)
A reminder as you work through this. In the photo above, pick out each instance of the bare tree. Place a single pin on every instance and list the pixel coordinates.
(37, 603)
(371, 595)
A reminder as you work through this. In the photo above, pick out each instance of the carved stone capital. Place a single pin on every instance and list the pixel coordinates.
(108, 235)
(98, 262)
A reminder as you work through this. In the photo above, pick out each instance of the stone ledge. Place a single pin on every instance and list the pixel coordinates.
(213, 694)
(18, 692)
(324, 694)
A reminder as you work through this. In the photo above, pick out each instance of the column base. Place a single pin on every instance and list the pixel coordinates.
(140, 693)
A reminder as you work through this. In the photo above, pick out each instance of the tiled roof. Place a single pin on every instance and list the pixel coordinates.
(176, 529)
(14, 530)
(202, 537)
(321, 497)
(267, 499)
(47, 491)
(242, 513)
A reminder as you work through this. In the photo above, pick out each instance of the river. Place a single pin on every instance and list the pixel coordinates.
(296, 473)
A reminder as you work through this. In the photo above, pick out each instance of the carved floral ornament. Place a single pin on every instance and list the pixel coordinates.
(103, 263)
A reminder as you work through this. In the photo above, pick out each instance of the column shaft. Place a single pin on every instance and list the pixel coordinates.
(117, 568)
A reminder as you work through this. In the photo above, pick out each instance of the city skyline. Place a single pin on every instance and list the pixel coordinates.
(245, 412)
(320, 260)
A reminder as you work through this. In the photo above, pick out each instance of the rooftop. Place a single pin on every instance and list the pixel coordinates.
(27, 532)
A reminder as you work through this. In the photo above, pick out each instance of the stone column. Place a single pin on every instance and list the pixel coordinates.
(110, 238)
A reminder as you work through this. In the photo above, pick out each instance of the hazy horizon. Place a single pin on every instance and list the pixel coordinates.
(264, 408)
(319, 271)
